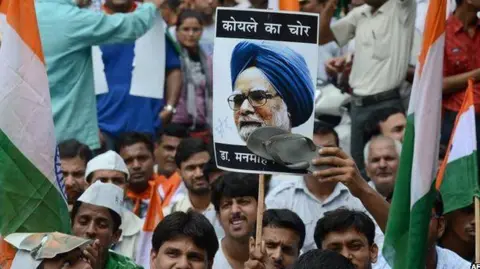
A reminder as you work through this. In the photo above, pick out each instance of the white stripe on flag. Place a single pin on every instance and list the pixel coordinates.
(463, 143)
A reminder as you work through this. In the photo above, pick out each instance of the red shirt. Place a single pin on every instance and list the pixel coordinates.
(460, 55)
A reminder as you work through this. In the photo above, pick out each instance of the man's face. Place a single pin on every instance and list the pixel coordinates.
(382, 165)
(110, 176)
(394, 126)
(165, 155)
(268, 110)
(140, 163)
(95, 222)
(180, 252)
(207, 7)
(74, 174)
(311, 6)
(462, 223)
(192, 174)
(237, 216)
(435, 230)
(352, 245)
(325, 140)
(282, 247)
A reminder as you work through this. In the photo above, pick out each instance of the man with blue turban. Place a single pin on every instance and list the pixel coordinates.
(271, 86)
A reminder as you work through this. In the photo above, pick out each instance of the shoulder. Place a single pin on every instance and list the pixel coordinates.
(122, 261)
(448, 259)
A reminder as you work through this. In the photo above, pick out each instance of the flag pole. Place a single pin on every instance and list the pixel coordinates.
(477, 229)
(260, 209)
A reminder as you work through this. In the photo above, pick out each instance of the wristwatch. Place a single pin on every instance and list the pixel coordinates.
(170, 108)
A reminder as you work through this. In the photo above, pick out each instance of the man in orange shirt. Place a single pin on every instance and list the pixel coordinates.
(136, 150)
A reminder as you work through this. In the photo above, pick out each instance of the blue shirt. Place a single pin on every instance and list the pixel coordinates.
(67, 34)
(117, 110)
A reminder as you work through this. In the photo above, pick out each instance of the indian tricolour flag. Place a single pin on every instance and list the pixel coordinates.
(458, 175)
(410, 211)
(287, 5)
(32, 195)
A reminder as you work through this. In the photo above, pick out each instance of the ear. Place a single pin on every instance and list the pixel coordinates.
(374, 253)
(116, 236)
(153, 256)
(441, 227)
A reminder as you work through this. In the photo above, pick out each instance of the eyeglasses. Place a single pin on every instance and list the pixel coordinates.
(255, 98)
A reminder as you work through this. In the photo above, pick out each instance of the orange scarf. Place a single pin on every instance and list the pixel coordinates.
(170, 187)
(145, 195)
(109, 11)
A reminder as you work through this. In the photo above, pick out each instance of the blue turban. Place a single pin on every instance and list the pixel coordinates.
(285, 69)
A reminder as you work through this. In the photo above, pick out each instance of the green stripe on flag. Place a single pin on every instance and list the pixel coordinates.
(29, 201)
(407, 228)
(460, 183)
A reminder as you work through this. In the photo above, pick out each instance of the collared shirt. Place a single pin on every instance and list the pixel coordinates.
(131, 227)
(446, 259)
(67, 34)
(383, 42)
(461, 55)
(220, 261)
(296, 197)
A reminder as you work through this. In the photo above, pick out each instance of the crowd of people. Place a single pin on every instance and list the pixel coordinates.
(123, 155)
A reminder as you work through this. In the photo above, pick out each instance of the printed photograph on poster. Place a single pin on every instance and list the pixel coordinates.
(264, 72)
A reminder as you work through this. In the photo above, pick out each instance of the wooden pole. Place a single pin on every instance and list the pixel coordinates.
(260, 209)
(477, 229)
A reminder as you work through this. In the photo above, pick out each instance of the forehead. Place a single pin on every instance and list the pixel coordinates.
(170, 140)
(94, 211)
(134, 150)
(344, 237)
(184, 244)
(284, 235)
(382, 147)
(324, 139)
(197, 159)
(107, 173)
(73, 163)
(252, 78)
(225, 199)
(395, 119)
(190, 22)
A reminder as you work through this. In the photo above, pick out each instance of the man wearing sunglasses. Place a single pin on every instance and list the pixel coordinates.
(271, 86)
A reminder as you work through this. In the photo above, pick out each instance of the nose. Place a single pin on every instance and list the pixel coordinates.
(69, 181)
(235, 208)
(383, 163)
(90, 232)
(276, 255)
(198, 172)
(182, 263)
(345, 253)
(136, 164)
(246, 108)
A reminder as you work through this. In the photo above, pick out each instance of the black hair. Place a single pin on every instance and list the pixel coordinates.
(131, 138)
(117, 219)
(323, 129)
(233, 185)
(325, 259)
(284, 218)
(190, 224)
(372, 126)
(342, 219)
(211, 166)
(188, 147)
(72, 148)
(172, 129)
(438, 204)
(188, 13)
(173, 4)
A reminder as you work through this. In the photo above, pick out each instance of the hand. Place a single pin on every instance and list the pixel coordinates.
(91, 254)
(336, 65)
(343, 169)
(329, 9)
(157, 3)
(165, 116)
(257, 256)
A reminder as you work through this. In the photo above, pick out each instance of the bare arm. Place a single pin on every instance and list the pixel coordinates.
(459, 82)
(325, 32)
(174, 86)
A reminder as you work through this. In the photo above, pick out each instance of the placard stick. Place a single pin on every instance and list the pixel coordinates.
(260, 209)
(477, 229)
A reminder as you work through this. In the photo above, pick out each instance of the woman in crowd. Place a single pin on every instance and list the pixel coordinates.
(195, 104)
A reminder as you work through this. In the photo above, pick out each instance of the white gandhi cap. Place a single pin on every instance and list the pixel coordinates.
(109, 160)
(104, 194)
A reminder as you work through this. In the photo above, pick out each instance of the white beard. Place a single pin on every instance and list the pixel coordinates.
(280, 120)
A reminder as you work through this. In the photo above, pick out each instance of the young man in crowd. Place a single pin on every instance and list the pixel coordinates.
(97, 216)
(109, 167)
(382, 157)
(324, 259)
(283, 234)
(350, 233)
(207, 8)
(183, 240)
(168, 139)
(459, 235)
(389, 121)
(136, 150)
(234, 196)
(310, 197)
(74, 157)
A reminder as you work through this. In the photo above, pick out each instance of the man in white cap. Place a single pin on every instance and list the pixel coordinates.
(97, 215)
(109, 167)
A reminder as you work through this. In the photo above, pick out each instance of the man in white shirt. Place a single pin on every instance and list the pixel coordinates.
(383, 32)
